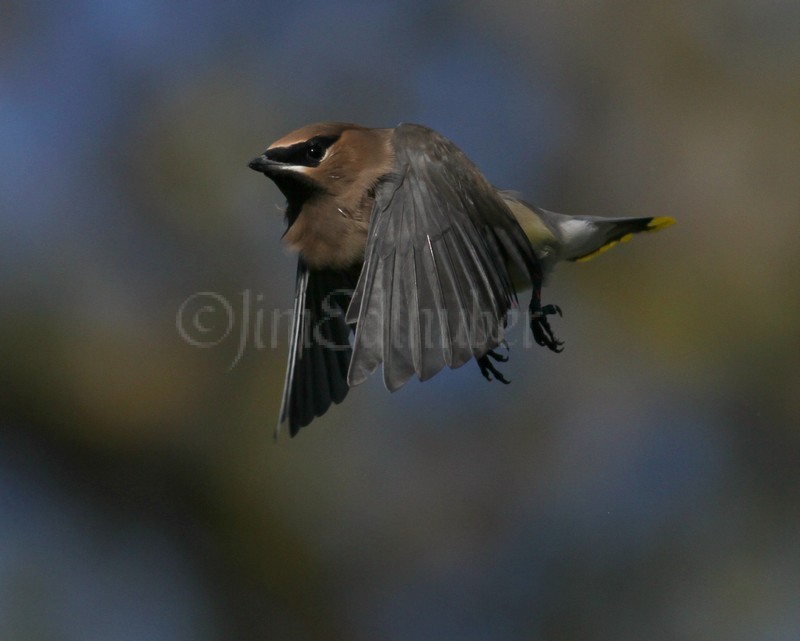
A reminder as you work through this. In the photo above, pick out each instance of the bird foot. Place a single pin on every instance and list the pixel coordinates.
(487, 367)
(540, 326)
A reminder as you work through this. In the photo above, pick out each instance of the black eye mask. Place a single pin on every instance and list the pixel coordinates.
(307, 154)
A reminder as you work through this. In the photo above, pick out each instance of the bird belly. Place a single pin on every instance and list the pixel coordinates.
(541, 238)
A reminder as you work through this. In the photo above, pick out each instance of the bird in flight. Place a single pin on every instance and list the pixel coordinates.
(409, 258)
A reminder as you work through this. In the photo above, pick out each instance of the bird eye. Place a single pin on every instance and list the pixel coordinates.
(315, 151)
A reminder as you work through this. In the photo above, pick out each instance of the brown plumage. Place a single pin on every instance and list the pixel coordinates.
(403, 242)
(330, 230)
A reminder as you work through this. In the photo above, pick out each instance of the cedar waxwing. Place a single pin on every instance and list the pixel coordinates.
(402, 241)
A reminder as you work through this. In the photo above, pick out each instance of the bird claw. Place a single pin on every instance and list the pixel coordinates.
(500, 358)
(487, 367)
(549, 310)
(540, 326)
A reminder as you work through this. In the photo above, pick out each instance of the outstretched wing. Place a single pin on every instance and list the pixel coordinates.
(435, 287)
(319, 349)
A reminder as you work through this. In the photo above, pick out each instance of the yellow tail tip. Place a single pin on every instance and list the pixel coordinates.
(660, 222)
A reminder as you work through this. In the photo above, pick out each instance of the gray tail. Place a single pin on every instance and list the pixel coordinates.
(607, 232)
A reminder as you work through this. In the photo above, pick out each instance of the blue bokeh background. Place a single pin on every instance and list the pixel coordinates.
(643, 484)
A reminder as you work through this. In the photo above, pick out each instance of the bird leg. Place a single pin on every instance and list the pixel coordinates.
(542, 333)
(487, 367)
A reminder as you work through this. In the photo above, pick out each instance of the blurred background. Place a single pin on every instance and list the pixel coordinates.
(643, 484)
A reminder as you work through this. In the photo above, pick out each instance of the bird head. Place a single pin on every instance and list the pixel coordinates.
(333, 159)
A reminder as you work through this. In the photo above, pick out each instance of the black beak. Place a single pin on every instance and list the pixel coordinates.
(264, 164)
